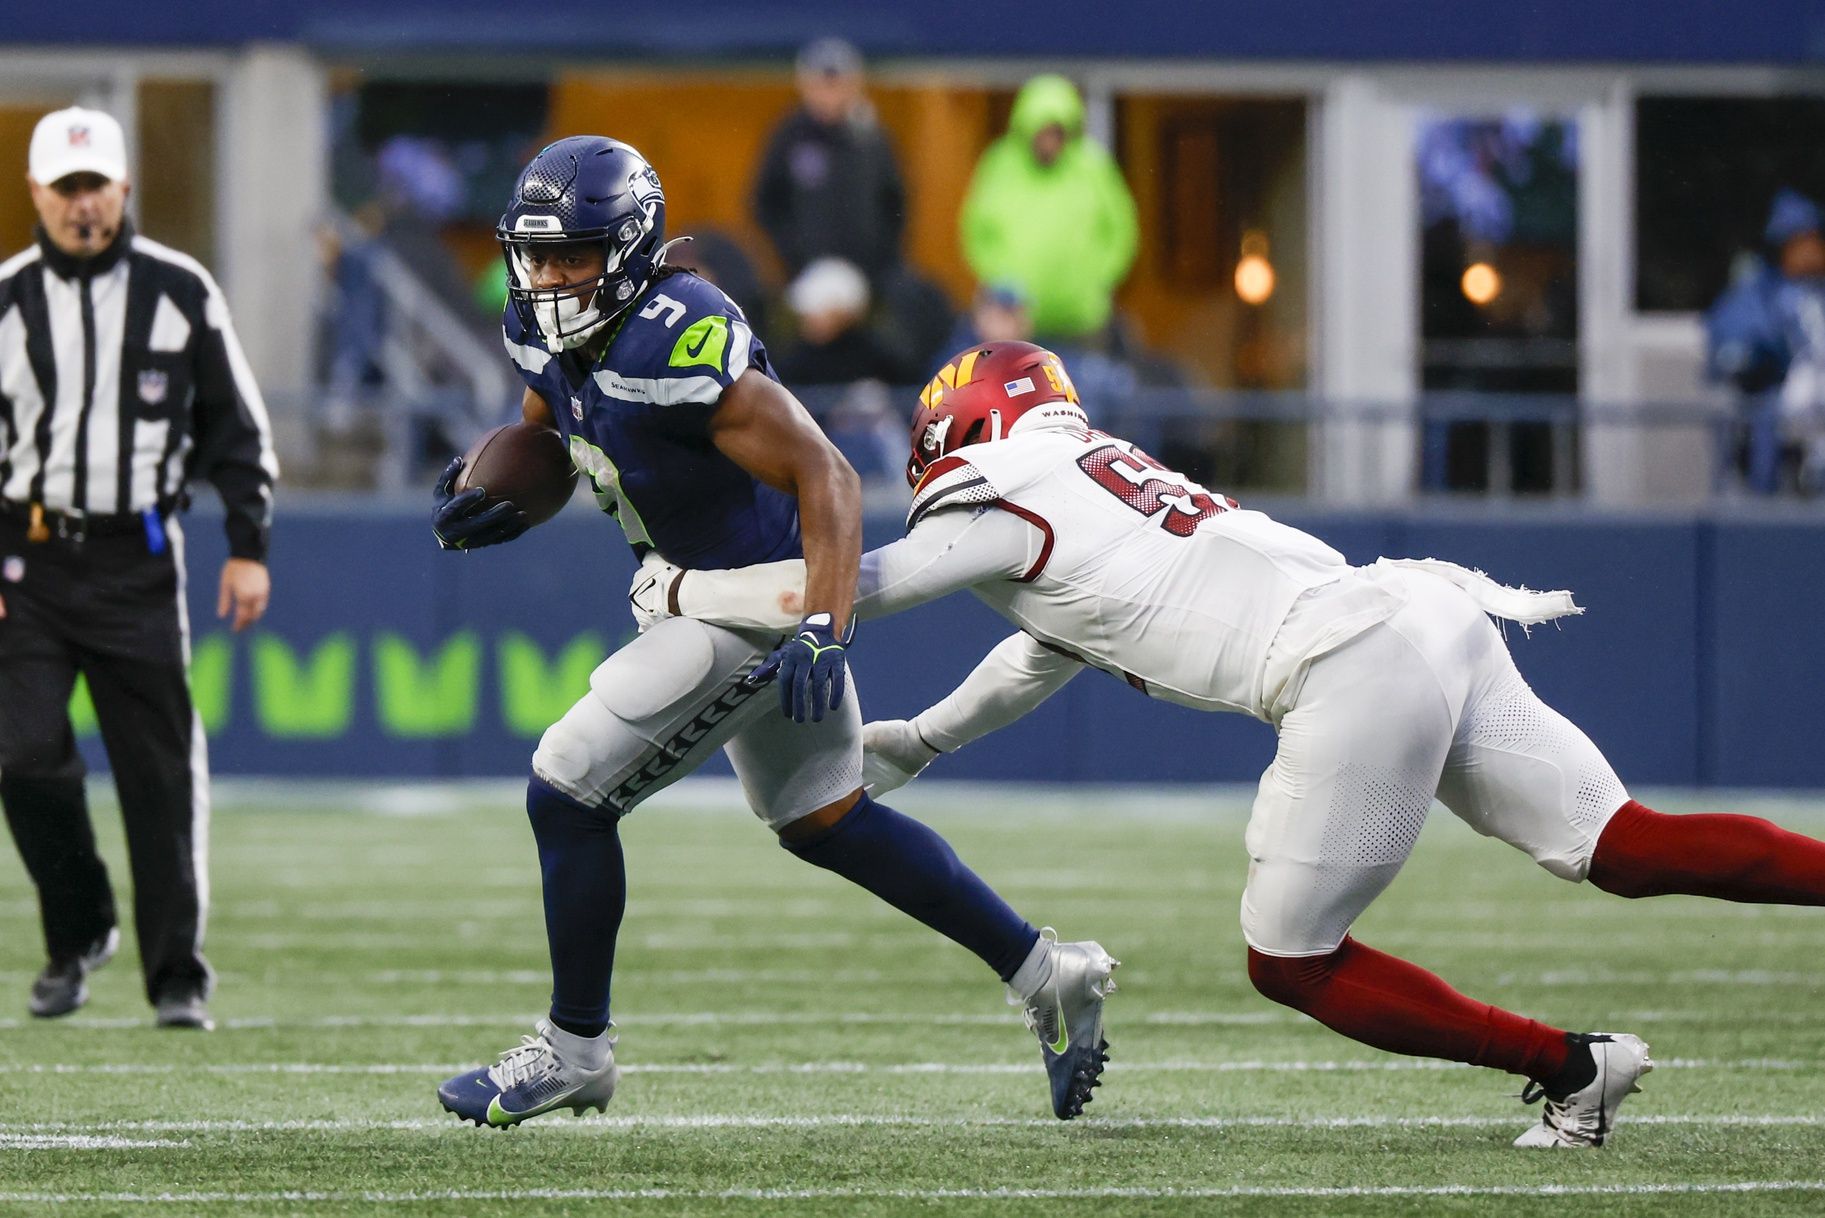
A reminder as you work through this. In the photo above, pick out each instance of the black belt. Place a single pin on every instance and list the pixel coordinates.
(76, 526)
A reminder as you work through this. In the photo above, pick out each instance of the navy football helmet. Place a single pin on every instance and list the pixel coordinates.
(585, 188)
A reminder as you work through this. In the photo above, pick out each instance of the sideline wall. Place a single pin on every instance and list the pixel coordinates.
(1700, 659)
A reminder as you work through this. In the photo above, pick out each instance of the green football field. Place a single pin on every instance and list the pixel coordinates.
(790, 1046)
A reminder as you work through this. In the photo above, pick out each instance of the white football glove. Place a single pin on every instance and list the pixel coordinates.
(892, 755)
(651, 591)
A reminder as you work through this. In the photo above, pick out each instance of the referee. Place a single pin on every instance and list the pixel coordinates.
(120, 379)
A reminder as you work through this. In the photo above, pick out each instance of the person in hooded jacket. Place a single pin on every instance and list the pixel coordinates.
(1048, 212)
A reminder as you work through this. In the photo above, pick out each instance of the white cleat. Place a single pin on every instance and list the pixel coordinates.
(1066, 1014)
(1584, 1119)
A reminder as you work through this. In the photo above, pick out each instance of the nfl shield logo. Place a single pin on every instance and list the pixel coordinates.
(152, 385)
(79, 137)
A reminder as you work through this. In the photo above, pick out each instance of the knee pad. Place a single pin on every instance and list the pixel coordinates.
(566, 751)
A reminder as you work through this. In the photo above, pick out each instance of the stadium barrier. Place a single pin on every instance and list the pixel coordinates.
(1700, 661)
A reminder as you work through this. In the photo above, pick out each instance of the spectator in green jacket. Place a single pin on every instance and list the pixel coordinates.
(1048, 212)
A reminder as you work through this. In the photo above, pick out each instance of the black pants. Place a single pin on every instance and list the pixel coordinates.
(109, 609)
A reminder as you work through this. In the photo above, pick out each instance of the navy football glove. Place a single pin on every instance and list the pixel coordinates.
(460, 522)
(811, 669)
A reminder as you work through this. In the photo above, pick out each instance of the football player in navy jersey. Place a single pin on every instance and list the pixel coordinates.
(668, 403)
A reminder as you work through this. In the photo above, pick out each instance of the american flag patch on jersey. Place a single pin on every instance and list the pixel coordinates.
(1015, 388)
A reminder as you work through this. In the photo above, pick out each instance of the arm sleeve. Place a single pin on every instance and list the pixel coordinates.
(1012, 679)
(233, 435)
(947, 551)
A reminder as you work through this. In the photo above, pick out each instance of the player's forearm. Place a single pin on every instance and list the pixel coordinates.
(830, 523)
(1011, 681)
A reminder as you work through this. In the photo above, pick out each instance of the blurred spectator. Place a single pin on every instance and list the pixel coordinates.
(998, 314)
(719, 258)
(1766, 336)
(829, 185)
(1047, 210)
(836, 344)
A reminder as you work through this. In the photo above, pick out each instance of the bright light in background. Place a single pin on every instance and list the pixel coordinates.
(1254, 273)
(1481, 283)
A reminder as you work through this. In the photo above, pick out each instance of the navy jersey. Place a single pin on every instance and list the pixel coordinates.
(637, 425)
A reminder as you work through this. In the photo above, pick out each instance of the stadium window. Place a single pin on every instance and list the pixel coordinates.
(1706, 169)
(1498, 299)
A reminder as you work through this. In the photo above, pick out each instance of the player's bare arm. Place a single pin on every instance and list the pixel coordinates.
(535, 409)
(761, 427)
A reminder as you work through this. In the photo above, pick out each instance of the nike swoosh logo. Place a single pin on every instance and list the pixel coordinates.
(498, 1115)
(703, 340)
(1064, 1036)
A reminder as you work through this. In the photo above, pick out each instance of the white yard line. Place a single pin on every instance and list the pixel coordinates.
(675, 1019)
(68, 1141)
(98, 1129)
(1389, 1065)
(918, 1194)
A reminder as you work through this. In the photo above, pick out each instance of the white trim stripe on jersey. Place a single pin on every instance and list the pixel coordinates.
(660, 391)
(19, 386)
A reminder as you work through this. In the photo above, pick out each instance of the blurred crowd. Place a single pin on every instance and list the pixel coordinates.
(1766, 339)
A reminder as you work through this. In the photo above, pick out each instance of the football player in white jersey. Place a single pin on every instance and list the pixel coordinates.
(1388, 684)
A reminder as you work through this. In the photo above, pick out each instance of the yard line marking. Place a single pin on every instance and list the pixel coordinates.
(885, 1120)
(674, 1019)
(1682, 1188)
(61, 1141)
(852, 1067)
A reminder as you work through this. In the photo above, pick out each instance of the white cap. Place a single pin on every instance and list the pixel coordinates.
(77, 141)
(828, 285)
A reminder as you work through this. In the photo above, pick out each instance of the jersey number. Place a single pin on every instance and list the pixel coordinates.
(1150, 488)
(661, 303)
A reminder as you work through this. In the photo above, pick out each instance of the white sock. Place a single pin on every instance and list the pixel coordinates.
(1034, 972)
(589, 1052)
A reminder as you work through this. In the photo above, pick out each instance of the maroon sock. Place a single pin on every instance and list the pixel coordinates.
(1386, 1002)
(1644, 853)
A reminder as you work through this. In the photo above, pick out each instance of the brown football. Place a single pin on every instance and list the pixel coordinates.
(522, 462)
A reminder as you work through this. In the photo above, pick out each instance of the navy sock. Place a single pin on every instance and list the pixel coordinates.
(585, 895)
(914, 870)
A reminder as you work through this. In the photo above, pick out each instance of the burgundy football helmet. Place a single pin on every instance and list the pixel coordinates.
(979, 396)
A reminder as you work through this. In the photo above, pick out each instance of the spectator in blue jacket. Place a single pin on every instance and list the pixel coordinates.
(1766, 336)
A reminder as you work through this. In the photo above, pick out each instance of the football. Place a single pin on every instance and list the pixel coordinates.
(524, 463)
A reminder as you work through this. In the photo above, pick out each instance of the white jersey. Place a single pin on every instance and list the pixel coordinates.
(1141, 572)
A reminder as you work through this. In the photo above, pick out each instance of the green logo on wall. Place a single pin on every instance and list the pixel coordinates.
(311, 693)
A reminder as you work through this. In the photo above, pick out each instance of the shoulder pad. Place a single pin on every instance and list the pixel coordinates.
(950, 482)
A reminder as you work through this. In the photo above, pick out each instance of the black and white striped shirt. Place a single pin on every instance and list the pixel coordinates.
(121, 379)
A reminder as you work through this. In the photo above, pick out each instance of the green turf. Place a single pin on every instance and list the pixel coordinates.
(791, 1046)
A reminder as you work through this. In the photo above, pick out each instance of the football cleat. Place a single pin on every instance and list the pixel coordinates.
(1583, 1119)
(1066, 1014)
(529, 1080)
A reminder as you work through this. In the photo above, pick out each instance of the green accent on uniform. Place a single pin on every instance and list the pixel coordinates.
(211, 671)
(705, 341)
(535, 692)
(426, 698)
(594, 462)
(82, 709)
(309, 699)
(1064, 1036)
(817, 651)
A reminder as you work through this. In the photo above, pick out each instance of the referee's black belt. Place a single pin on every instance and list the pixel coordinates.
(78, 526)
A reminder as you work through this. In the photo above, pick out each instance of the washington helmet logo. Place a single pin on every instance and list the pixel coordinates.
(154, 383)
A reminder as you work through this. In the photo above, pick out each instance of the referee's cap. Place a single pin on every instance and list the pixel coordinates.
(77, 141)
